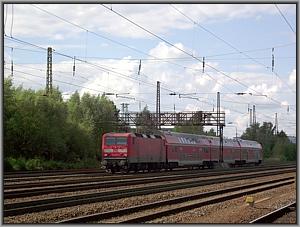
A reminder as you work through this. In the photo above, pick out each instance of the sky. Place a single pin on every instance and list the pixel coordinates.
(168, 42)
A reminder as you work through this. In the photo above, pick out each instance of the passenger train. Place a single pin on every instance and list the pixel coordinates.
(133, 151)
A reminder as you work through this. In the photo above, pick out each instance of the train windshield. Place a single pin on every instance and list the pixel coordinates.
(121, 141)
(115, 141)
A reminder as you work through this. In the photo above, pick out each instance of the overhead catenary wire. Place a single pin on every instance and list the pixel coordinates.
(37, 46)
(95, 33)
(230, 45)
(5, 19)
(136, 50)
(101, 36)
(89, 63)
(117, 41)
(101, 86)
(67, 21)
(104, 91)
(185, 52)
(58, 53)
(180, 58)
(287, 22)
(12, 20)
(76, 85)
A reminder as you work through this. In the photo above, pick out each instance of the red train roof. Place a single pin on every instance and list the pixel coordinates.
(117, 134)
(185, 138)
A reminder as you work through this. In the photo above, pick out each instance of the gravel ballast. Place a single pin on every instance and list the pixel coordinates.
(52, 216)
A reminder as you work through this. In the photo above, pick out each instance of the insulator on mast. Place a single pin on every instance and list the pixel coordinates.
(12, 62)
(203, 64)
(140, 65)
(272, 59)
(74, 66)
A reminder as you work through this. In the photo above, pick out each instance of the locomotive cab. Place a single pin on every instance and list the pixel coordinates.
(115, 151)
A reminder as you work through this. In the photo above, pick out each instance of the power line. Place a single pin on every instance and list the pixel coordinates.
(185, 52)
(229, 44)
(29, 50)
(5, 19)
(12, 19)
(181, 58)
(127, 45)
(58, 53)
(100, 90)
(254, 50)
(285, 19)
(96, 89)
(89, 63)
(76, 85)
(60, 81)
(96, 34)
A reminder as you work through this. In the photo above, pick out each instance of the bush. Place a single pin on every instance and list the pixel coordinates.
(53, 165)
(17, 164)
(7, 165)
(290, 153)
(33, 164)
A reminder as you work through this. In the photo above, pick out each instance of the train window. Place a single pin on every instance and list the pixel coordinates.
(205, 149)
(121, 140)
(110, 141)
(115, 141)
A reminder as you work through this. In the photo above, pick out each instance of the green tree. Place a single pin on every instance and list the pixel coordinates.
(211, 132)
(147, 125)
(274, 146)
(191, 129)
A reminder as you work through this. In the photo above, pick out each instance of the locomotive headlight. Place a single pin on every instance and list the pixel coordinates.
(122, 150)
(108, 150)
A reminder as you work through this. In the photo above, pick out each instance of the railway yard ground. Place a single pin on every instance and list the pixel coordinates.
(185, 196)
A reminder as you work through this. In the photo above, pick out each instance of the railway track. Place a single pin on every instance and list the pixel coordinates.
(27, 190)
(47, 174)
(67, 201)
(150, 211)
(274, 215)
(30, 182)
(21, 174)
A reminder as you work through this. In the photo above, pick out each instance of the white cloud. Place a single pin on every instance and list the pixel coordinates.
(292, 77)
(58, 37)
(162, 50)
(160, 18)
(173, 78)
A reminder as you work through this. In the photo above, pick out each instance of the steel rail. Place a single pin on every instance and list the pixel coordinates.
(114, 183)
(102, 172)
(96, 178)
(49, 173)
(67, 201)
(60, 176)
(178, 200)
(274, 215)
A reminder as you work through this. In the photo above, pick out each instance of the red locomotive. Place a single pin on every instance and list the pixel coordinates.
(134, 151)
